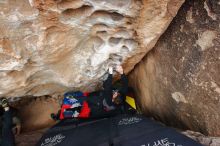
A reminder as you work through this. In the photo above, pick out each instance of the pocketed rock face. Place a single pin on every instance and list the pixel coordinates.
(178, 81)
(53, 46)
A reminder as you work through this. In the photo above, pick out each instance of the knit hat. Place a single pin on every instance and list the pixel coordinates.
(3, 102)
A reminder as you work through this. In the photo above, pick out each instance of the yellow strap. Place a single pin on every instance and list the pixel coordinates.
(130, 101)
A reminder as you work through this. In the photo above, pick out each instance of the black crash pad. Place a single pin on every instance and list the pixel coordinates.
(122, 130)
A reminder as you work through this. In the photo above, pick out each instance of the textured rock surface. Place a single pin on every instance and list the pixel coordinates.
(204, 140)
(49, 46)
(178, 82)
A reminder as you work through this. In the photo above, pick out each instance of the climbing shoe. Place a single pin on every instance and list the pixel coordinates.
(3, 102)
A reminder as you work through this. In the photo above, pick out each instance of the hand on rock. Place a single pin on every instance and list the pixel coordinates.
(119, 69)
(110, 70)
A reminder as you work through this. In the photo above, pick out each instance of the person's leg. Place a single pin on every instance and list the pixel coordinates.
(7, 134)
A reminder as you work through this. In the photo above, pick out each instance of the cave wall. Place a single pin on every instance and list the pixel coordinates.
(178, 82)
(53, 46)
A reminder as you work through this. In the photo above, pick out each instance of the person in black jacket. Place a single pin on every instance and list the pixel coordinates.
(102, 103)
(110, 100)
(113, 96)
(7, 136)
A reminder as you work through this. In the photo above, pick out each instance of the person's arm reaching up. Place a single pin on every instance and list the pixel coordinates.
(107, 85)
(124, 81)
